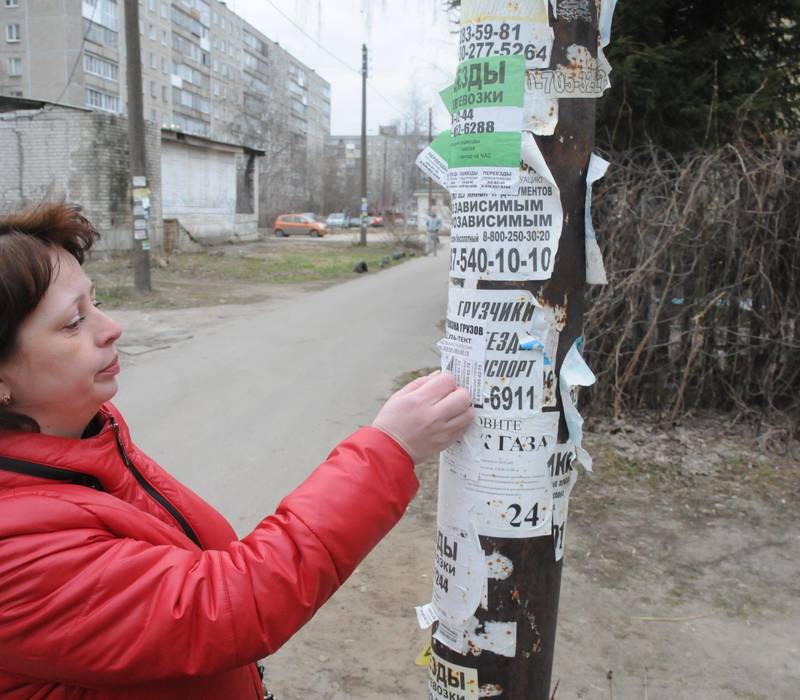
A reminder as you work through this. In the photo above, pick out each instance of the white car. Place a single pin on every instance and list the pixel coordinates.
(338, 220)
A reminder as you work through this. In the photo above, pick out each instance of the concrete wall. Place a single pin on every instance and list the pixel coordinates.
(83, 157)
(199, 190)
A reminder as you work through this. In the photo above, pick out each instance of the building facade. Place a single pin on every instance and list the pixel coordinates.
(205, 72)
(392, 175)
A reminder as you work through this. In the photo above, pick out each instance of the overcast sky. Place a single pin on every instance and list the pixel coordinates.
(410, 42)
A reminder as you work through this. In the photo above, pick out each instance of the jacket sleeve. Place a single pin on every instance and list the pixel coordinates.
(83, 606)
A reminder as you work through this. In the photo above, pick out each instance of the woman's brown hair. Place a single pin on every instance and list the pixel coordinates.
(26, 269)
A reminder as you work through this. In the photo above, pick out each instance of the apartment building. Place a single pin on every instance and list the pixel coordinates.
(392, 176)
(205, 72)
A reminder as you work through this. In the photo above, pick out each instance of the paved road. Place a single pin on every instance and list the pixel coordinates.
(244, 410)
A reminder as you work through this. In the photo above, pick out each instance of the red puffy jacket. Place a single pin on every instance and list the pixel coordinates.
(139, 589)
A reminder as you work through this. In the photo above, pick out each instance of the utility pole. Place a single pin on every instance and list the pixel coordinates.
(138, 181)
(515, 325)
(363, 240)
(430, 180)
(384, 181)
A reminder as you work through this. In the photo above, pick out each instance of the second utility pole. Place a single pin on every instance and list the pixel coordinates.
(363, 240)
(138, 168)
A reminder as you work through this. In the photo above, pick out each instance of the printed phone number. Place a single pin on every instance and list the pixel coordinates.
(515, 236)
(572, 82)
(484, 49)
(474, 259)
(479, 127)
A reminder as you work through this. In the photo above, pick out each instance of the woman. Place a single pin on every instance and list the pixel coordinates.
(116, 581)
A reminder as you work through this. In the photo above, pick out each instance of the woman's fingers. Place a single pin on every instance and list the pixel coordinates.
(417, 383)
(454, 404)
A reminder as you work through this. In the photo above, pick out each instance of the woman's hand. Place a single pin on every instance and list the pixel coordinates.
(427, 415)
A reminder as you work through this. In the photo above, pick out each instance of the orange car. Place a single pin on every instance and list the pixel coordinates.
(287, 224)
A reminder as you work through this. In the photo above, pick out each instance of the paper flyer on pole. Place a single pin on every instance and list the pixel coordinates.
(486, 111)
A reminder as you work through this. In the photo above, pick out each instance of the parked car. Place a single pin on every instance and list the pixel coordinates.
(375, 220)
(355, 221)
(338, 220)
(287, 224)
(412, 220)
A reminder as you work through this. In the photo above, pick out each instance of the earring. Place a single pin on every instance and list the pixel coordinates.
(5, 400)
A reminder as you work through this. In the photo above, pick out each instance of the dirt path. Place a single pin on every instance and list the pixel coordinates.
(683, 583)
(681, 573)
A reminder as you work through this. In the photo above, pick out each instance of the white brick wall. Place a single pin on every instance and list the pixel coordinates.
(83, 157)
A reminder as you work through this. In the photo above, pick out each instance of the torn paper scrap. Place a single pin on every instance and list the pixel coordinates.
(452, 636)
(426, 615)
(448, 680)
(433, 160)
(540, 113)
(574, 373)
(595, 269)
(604, 21)
(459, 573)
(563, 475)
(498, 637)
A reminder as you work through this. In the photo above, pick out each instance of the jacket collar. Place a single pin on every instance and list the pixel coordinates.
(97, 456)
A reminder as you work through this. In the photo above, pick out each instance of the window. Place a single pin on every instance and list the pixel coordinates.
(12, 3)
(188, 23)
(12, 32)
(151, 5)
(102, 100)
(189, 49)
(164, 93)
(14, 66)
(101, 67)
(164, 10)
(251, 41)
(164, 37)
(153, 63)
(191, 126)
(153, 116)
(102, 12)
(151, 32)
(153, 92)
(164, 65)
(99, 34)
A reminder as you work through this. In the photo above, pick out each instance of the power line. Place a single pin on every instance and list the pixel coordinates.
(334, 56)
(304, 33)
(90, 21)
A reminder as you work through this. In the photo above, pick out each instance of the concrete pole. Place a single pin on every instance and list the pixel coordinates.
(138, 180)
(524, 598)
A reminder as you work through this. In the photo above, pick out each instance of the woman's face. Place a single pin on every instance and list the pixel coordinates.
(65, 364)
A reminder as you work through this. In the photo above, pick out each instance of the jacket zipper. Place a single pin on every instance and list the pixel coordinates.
(155, 495)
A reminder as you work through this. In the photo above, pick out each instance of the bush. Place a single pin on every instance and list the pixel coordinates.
(703, 258)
